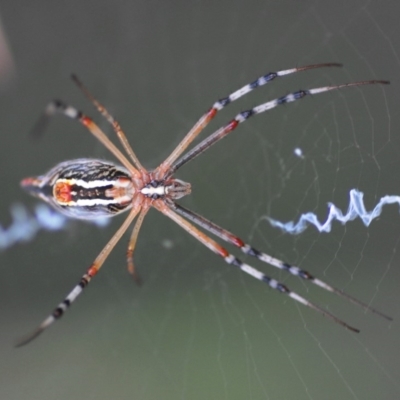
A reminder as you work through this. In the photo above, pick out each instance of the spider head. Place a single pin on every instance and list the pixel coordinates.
(175, 188)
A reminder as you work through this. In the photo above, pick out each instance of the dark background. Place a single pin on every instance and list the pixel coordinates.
(199, 329)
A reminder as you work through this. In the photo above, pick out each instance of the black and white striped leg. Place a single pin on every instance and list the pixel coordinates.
(263, 80)
(114, 123)
(251, 251)
(274, 284)
(86, 278)
(245, 115)
(232, 260)
(223, 102)
(59, 107)
(54, 107)
(60, 309)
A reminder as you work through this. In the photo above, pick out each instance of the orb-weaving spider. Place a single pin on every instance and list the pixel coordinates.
(88, 188)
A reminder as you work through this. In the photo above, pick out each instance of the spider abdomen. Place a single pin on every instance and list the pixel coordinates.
(84, 188)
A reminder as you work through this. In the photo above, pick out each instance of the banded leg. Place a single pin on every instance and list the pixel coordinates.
(251, 251)
(132, 245)
(115, 124)
(58, 106)
(222, 103)
(85, 280)
(245, 115)
(232, 260)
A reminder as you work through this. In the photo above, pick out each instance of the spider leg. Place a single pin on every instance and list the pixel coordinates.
(85, 280)
(115, 124)
(222, 103)
(58, 106)
(244, 115)
(132, 245)
(251, 251)
(232, 260)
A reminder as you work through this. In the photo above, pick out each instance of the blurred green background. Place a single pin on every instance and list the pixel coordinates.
(199, 329)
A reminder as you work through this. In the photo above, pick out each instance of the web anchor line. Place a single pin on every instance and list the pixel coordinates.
(356, 209)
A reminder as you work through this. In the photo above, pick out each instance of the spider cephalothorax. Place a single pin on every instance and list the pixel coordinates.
(170, 188)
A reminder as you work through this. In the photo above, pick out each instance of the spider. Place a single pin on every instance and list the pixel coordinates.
(90, 188)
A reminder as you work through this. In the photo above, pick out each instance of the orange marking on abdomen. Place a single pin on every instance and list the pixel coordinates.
(62, 192)
(124, 181)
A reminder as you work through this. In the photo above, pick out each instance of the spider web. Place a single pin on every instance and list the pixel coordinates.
(199, 329)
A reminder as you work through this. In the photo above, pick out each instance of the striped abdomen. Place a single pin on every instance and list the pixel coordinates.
(84, 188)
